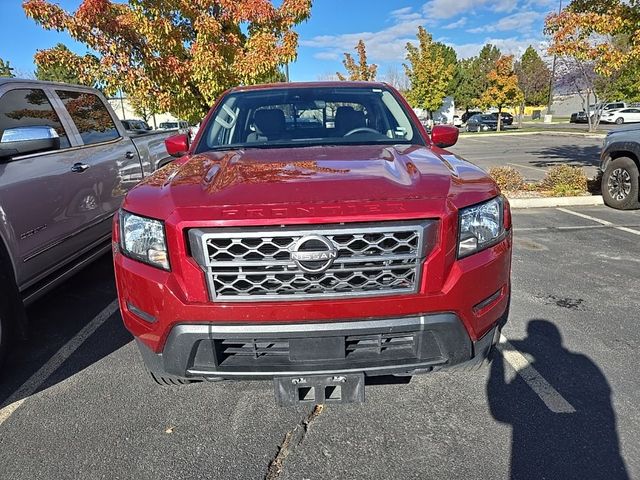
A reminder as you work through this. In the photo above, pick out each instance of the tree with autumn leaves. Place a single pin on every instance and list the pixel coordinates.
(502, 87)
(173, 55)
(602, 40)
(360, 70)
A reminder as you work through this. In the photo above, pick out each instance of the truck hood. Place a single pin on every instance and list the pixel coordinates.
(310, 176)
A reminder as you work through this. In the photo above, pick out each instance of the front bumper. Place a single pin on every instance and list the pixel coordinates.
(392, 346)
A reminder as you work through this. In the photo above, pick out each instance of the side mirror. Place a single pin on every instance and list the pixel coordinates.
(444, 136)
(177, 145)
(24, 140)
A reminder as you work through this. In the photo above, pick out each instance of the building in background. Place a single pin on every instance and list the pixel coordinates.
(123, 109)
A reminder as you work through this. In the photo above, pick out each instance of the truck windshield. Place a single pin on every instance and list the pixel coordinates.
(305, 116)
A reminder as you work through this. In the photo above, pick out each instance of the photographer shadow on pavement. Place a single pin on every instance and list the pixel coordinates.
(546, 445)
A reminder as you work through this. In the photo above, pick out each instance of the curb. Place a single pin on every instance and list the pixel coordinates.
(551, 132)
(550, 202)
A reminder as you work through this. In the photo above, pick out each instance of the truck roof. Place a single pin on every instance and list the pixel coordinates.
(6, 80)
(319, 84)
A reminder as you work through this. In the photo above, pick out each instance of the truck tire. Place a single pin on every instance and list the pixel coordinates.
(4, 335)
(620, 184)
(13, 317)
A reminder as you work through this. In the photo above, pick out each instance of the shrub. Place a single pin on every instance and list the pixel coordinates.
(507, 178)
(565, 180)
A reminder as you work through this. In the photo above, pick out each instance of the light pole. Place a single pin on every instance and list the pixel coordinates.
(553, 73)
(124, 115)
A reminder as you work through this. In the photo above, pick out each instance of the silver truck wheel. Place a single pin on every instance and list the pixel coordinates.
(620, 184)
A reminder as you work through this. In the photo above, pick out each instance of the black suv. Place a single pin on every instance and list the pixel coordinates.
(619, 165)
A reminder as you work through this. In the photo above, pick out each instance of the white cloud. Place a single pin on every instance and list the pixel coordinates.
(386, 45)
(449, 8)
(458, 24)
(504, 6)
(442, 9)
(405, 14)
(521, 21)
(327, 55)
(509, 46)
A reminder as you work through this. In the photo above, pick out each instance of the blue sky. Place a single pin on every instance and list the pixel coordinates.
(336, 26)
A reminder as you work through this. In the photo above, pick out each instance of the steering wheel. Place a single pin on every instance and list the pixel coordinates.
(361, 130)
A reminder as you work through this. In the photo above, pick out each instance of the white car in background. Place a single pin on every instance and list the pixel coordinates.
(621, 115)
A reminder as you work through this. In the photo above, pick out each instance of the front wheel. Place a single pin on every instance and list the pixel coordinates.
(620, 184)
(619, 121)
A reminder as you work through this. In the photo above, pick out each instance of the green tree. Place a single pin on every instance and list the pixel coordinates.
(623, 85)
(470, 77)
(484, 64)
(533, 79)
(60, 71)
(6, 70)
(502, 89)
(360, 70)
(428, 72)
(450, 58)
(466, 89)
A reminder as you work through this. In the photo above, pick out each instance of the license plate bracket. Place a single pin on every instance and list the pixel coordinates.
(319, 389)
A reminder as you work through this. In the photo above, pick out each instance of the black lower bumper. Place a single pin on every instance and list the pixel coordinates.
(395, 346)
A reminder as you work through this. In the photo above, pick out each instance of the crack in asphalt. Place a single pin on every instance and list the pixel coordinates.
(292, 439)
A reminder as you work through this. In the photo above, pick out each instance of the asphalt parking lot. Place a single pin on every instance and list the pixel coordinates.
(531, 154)
(559, 401)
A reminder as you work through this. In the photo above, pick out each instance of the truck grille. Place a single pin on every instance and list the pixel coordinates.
(305, 262)
(234, 352)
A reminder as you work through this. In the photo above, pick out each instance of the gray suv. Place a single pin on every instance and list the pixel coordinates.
(66, 163)
(619, 166)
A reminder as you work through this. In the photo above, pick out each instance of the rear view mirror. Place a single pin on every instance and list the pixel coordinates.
(24, 140)
(177, 145)
(444, 136)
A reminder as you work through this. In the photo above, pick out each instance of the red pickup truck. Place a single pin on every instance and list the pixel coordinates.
(313, 234)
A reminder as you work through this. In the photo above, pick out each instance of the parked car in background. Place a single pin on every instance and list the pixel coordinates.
(620, 168)
(173, 125)
(620, 116)
(482, 122)
(507, 118)
(468, 114)
(593, 109)
(66, 163)
(457, 121)
(314, 257)
(136, 126)
(579, 117)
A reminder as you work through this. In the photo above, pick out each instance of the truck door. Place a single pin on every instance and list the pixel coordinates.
(36, 189)
(110, 158)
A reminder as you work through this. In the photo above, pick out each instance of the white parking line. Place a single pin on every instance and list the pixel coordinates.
(29, 387)
(600, 221)
(549, 395)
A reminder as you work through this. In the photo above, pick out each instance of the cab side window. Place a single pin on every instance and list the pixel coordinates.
(25, 114)
(92, 119)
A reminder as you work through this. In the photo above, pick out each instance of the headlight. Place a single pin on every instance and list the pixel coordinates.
(480, 226)
(143, 239)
